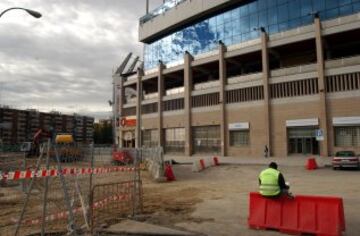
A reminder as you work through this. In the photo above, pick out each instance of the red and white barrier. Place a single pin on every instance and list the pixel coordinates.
(65, 214)
(29, 174)
(202, 164)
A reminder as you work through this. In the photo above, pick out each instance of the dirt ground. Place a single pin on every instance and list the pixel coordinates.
(215, 201)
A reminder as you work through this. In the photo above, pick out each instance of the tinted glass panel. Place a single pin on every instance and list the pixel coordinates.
(241, 24)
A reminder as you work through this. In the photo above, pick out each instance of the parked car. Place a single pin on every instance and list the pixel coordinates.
(345, 159)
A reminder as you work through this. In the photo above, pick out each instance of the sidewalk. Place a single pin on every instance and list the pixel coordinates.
(281, 161)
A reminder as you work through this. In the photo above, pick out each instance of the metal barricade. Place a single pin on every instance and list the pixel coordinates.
(57, 187)
(113, 201)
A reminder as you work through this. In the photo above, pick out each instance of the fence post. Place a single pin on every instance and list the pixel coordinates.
(91, 211)
(90, 184)
(45, 190)
(24, 168)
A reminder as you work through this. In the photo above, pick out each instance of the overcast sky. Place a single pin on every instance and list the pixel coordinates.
(64, 60)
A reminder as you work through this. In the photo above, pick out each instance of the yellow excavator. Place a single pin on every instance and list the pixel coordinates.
(67, 148)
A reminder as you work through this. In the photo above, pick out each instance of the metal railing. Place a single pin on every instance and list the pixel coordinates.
(169, 4)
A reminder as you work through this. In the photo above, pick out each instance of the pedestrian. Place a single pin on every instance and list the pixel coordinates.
(272, 182)
(266, 151)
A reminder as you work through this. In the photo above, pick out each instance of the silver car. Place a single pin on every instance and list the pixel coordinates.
(345, 159)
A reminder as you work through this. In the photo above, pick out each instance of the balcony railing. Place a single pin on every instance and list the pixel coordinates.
(206, 85)
(169, 4)
(174, 91)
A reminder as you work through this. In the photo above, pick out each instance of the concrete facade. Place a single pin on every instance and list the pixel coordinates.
(274, 103)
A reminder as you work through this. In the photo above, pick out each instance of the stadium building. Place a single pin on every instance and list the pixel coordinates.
(231, 77)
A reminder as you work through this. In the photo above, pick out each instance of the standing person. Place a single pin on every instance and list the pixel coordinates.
(266, 151)
(272, 182)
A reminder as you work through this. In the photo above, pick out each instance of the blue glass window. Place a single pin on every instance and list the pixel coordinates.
(254, 22)
(331, 4)
(283, 13)
(319, 5)
(244, 10)
(345, 10)
(332, 13)
(253, 7)
(294, 9)
(263, 18)
(344, 2)
(241, 24)
(227, 16)
(272, 16)
(306, 7)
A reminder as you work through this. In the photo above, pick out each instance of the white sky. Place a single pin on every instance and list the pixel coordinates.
(64, 60)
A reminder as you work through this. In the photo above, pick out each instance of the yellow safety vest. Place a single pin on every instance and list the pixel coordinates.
(269, 182)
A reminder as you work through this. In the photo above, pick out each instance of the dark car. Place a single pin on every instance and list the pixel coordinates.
(345, 159)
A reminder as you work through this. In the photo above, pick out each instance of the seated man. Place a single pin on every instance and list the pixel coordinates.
(272, 182)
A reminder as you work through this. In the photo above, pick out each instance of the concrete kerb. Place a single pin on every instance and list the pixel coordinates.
(292, 161)
(204, 163)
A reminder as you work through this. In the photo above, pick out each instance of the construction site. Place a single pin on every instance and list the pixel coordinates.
(240, 118)
(134, 194)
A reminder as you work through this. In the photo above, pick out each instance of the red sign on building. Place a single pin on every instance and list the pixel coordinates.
(125, 122)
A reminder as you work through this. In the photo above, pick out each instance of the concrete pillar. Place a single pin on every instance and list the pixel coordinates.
(324, 145)
(187, 100)
(266, 75)
(161, 89)
(120, 106)
(138, 137)
(222, 79)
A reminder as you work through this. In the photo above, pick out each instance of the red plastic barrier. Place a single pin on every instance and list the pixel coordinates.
(121, 157)
(169, 174)
(216, 161)
(304, 214)
(311, 164)
(202, 164)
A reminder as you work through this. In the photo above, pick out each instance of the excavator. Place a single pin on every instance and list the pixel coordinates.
(68, 150)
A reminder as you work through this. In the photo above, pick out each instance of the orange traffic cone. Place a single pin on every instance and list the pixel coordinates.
(169, 174)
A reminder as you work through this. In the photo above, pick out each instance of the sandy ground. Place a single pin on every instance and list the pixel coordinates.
(215, 201)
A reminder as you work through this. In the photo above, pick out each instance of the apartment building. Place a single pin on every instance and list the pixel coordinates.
(21, 125)
(230, 77)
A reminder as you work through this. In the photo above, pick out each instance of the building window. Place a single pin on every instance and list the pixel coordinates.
(239, 138)
(150, 137)
(175, 140)
(206, 139)
(347, 136)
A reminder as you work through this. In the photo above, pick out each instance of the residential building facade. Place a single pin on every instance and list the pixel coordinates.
(21, 125)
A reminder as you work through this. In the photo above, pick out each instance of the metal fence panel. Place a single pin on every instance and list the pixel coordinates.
(92, 166)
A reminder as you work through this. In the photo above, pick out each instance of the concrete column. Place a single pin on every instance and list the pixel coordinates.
(324, 145)
(187, 100)
(266, 75)
(160, 104)
(120, 110)
(138, 138)
(222, 79)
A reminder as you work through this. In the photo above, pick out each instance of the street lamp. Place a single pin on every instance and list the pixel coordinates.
(31, 12)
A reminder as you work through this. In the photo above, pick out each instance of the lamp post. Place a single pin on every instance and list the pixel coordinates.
(31, 12)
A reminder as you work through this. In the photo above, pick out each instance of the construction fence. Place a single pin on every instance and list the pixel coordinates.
(68, 189)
